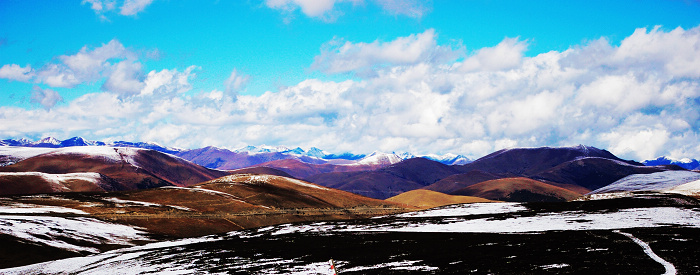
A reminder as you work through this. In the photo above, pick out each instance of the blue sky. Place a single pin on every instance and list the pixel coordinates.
(465, 77)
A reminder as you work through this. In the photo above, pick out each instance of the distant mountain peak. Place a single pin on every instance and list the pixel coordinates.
(686, 163)
(380, 158)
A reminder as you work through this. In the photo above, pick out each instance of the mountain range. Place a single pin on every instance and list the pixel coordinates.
(516, 174)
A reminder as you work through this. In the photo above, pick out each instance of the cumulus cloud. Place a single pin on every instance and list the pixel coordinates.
(126, 79)
(338, 56)
(15, 72)
(638, 103)
(506, 55)
(87, 65)
(45, 97)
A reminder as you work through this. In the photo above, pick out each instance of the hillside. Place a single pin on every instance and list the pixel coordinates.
(518, 189)
(429, 199)
(387, 182)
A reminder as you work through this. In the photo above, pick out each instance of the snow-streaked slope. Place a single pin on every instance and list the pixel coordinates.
(649, 182)
(84, 233)
(11, 154)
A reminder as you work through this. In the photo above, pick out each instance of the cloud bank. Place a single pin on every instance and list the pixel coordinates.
(639, 99)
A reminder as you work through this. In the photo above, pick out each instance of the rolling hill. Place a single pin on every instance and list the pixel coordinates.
(518, 189)
(455, 182)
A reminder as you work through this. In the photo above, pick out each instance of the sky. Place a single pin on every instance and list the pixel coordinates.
(425, 77)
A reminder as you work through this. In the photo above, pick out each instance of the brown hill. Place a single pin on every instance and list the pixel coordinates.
(455, 182)
(518, 189)
(429, 199)
(110, 169)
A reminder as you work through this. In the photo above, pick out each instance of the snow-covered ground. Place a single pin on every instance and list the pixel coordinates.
(204, 255)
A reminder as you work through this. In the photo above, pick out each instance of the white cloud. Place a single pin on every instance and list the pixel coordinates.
(168, 83)
(85, 66)
(57, 76)
(45, 97)
(341, 57)
(639, 106)
(506, 55)
(15, 72)
(642, 143)
(125, 79)
(88, 64)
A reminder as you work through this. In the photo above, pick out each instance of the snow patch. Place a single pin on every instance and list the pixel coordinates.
(23, 208)
(57, 181)
(467, 209)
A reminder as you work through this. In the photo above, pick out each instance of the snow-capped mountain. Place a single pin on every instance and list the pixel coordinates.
(47, 142)
(687, 163)
(379, 158)
(79, 141)
(449, 159)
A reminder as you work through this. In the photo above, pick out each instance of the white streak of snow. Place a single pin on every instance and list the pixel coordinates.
(670, 269)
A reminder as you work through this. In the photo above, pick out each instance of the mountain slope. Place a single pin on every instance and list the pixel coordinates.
(593, 173)
(119, 168)
(517, 189)
(531, 161)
